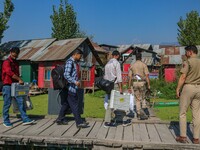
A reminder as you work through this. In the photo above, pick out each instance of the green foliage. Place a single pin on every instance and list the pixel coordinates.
(189, 29)
(64, 22)
(99, 93)
(164, 89)
(40, 104)
(5, 16)
(170, 113)
(93, 106)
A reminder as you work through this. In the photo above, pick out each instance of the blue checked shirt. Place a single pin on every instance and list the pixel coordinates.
(71, 75)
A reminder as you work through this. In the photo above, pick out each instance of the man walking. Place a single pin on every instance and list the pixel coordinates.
(188, 92)
(138, 78)
(71, 75)
(10, 74)
(113, 73)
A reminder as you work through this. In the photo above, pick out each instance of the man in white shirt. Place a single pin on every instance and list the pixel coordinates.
(112, 73)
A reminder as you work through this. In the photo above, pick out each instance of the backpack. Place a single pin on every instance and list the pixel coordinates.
(57, 74)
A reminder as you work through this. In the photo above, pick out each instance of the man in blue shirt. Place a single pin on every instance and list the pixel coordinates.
(71, 75)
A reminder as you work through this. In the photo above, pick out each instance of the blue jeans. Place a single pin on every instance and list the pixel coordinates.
(7, 103)
(106, 99)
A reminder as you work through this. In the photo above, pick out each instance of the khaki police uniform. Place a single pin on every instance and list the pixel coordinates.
(139, 86)
(190, 96)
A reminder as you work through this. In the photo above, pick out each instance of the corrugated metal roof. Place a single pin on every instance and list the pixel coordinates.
(122, 48)
(29, 49)
(98, 48)
(34, 49)
(182, 50)
(160, 51)
(171, 59)
(146, 54)
(166, 46)
(143, 46)
(59, 50)
(107, 45)
(48, 49)
(171, 55)
(155, 47)
(147, 60)
(5, 47)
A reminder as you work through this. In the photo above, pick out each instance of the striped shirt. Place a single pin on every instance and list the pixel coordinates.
(113, 71)
(71, 74)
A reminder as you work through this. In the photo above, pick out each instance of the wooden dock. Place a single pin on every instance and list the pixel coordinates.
(149, 134)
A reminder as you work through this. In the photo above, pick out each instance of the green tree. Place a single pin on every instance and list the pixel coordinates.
(189, 29)
(5, 16)
(64, 22)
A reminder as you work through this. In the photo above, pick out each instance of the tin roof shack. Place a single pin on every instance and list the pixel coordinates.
(29, 51)
(128, 57)
(108, 48)
(103, 55)
(128, 53)
(170, 58)
(5, 47)
(59, 52)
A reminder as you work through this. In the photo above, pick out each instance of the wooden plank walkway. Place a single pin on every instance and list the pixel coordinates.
(149, 134)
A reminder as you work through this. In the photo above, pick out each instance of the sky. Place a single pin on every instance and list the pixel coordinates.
(113, 22)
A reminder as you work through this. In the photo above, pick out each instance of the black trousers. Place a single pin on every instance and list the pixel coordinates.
(69, 101)
(64, 104)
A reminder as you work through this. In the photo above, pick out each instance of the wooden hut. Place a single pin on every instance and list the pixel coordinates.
(59, 51)
(128, 57)
(170, 58)
(29, 51)
(102, 53)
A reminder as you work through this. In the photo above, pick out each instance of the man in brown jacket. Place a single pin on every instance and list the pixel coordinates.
(188, 90)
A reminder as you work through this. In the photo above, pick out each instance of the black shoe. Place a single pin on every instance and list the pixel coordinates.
(61, 122)
(109, 124)
(127, 123)
(82, 125)
(146, 111)
(85, 122)
(131, 114)
(143, 117)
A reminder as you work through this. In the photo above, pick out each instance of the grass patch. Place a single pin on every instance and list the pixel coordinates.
(169, 113)
(93, 106)
(40, 104)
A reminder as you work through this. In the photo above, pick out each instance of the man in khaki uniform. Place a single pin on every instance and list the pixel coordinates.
(138, 78)
(188, 90)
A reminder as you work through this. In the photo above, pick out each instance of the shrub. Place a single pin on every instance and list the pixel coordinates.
(164, 89)
(99, 93)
